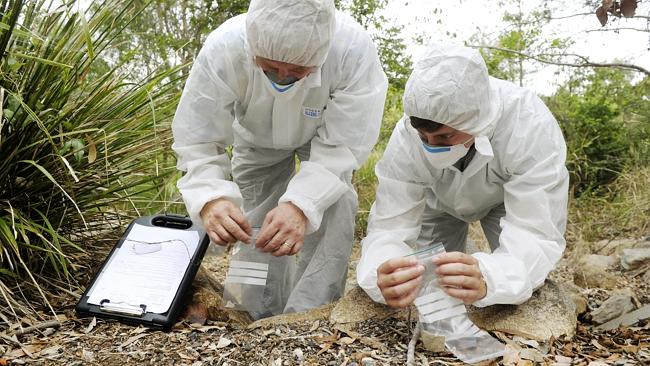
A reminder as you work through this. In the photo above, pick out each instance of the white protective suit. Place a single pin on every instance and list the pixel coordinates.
(516, 184)
(330, 120)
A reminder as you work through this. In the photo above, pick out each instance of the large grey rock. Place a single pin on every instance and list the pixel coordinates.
(550, 312)
(591, 271)
(618, 304)
(635, 258)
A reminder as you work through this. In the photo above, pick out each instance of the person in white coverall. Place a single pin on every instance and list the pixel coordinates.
(470, 147)
(289, 79)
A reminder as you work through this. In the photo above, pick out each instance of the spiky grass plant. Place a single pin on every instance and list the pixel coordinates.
(79, 143)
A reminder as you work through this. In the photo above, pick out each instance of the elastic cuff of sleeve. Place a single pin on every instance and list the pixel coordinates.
(312, 214)
(489, 284)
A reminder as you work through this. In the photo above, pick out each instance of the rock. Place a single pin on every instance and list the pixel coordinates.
(577, 296)
(319, 313)
(609, 247)
(432, 342)
(580, 302)
(592, 272)
(627, 319)
(367, 361)
(550, 312)
(635, 258)
(618, 304)
(356, 306)
(646, 277)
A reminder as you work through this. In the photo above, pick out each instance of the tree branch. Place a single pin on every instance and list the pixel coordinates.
(585, 61)
(618, 29)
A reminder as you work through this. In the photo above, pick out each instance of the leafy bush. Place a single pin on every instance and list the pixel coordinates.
(599, 115)
(79, 143)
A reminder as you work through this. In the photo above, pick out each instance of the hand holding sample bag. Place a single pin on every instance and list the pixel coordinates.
(248, 283)
(443, 315)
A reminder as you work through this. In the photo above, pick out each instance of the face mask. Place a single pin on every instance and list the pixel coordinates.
(285, 82)
(442, 157)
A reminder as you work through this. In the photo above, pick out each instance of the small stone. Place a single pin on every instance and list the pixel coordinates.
(581, 303)
(635, 258)
(618, 304)
(591, 272)
(432, 342)
(367, 361)
(298, 354)
(646, 277)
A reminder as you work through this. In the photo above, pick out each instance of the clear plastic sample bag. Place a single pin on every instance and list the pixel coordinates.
(247, 277)
(443, 315)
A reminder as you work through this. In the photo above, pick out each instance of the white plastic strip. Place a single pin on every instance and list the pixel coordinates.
(434, 296)
(439, 305)
(246, 280)
(444, 314)
(249, 265)
(247, 272)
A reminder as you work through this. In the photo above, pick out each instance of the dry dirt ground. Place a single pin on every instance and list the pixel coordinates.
(90, 341)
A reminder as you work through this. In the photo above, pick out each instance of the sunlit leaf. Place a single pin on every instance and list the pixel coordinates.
(601, 14)
(628, 8)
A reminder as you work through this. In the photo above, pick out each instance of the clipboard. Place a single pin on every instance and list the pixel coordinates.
(138, 314)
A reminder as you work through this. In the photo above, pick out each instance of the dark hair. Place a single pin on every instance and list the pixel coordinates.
(424, 124)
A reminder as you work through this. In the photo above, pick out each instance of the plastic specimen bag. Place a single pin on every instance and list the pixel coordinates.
(443, 315)
(246, 277)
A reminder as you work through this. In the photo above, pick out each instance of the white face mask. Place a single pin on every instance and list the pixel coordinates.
(442, 157)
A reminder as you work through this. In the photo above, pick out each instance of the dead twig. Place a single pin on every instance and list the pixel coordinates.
(47, 324)
(410, 353)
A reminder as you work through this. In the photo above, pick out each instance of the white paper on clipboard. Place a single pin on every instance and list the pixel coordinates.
(147, 269)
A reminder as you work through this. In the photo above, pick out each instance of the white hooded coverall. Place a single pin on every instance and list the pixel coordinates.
(330, 120)
(516, 183)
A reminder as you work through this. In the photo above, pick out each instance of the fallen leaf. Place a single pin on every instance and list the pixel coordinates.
(315, 325)
(50, 351)
(131, 340)
(561, 360)
(531, 354)
(91, 326)
(529, 342)
(223, 342)
(511, 355)
(630, 348)
(88, 356)
(139, 330)
(346, 340)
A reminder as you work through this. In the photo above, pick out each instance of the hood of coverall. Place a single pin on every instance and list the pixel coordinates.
(298, 32)
(450, 85)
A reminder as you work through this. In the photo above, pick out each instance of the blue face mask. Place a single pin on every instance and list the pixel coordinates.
(280, 85)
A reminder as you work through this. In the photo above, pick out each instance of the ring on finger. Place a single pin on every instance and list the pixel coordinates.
(287, 245)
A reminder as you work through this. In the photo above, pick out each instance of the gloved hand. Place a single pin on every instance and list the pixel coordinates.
(399, 281)
(283, 230)
(224, 222)
(460, 276)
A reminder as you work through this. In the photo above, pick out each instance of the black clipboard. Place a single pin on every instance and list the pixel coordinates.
(139, 315)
